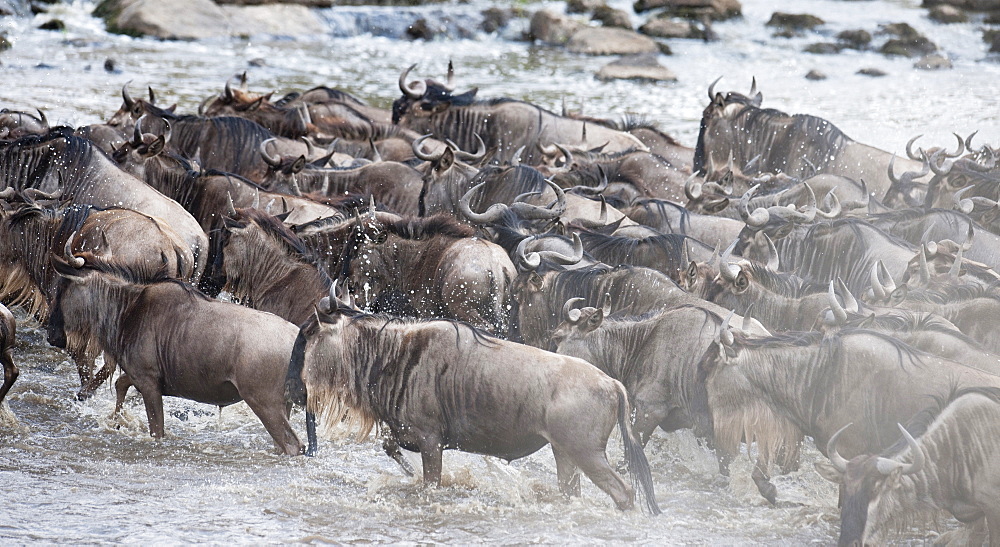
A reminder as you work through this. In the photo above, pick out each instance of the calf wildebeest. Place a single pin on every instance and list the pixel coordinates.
(954, 465)
(774, 390)
(436, 385)
(504, 124)
(799, 145)
(172, 340)
(8, 331)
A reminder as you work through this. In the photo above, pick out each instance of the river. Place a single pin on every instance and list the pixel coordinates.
(70, 473)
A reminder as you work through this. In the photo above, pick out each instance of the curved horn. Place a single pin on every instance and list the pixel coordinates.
(727, 270)
(836, 459)
(925, 270)
(892, 174)
(958, 151)
(228, 93)
(568, 309)
(939, 169)
(567, 155)
(41, 117)
(877, 288)
(884, 272)
(515, 160)
(692, 189)
(967, 244)
(835, 209)
(75, 261)
(747, 322)
(566, 260)
(956, 267)
(909, 148)
(850, 302)
(450, 78)
(230, 207)
(964, 205)
(268, 158)
(531, 260)
(492, 214)
(772, 254)
(418, 151)
(8, 193)
(726, 335)
(413, 90)
(888, 465)
(129, 101)
(759, 217)
(839, 313)
(473, 157)
(711, 89)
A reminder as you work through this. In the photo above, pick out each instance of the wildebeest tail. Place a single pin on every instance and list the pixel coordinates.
(295, 389)
(635, 458)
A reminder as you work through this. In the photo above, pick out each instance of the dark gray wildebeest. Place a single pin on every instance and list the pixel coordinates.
(172, 340)
(268, 268)
(773, 390)
(291, 122)
(8, 331)
(436, 385)
(953, 465)
(85, 175)
(430, 267)
(32, 233)
(15, 124)
(798, 145)
(505, 125)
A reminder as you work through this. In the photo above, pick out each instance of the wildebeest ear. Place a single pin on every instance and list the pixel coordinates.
(742, 281)
(444, 163)
(828, 471)
(692, 271)
(155, 147)
(595, 320)
(298, 165)
(283, 216)
(716, 206)
(535, 280)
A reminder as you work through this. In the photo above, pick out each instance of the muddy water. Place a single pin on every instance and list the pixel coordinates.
(70, 473)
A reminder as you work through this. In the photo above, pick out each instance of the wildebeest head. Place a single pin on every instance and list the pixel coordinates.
(133, 109)
(292, 122)
(16, 124)
(868, 484)
(424, 99)
(568, 337)
(716, 119)
(133, 155)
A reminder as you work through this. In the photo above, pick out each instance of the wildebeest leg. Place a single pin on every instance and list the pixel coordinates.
(88, 389)
(10, 373)
(567, 472)
(430, 454)
(275, 420)
(391, 448)
(595, 465)
(763, 481)
(153, 399)
(121, 390)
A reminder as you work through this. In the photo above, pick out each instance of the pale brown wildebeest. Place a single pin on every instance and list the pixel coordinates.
(8, 328)
(435, 385)
(172, 340)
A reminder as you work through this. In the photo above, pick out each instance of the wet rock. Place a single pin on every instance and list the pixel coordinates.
(947, 14)
(4, 43)
(664, 27)
(908, 47)
(815, 75)
(53, 24)
(992, 18)
(274, 19)
(583, 6)
(610, 41)
(794, 21)
(636, 67)
(111, 66)
(873, 72)
(422, 29)
(717, 10)
(971, 5)
(933, 61)
(495, 19)
(611, 17)
(992, 37)
(551, 27)
(899, 30)
(855, 39)
(823, 48)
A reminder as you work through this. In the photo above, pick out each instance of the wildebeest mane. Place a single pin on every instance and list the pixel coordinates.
(418, 228)
(660, 252)
(784, 283)
(28, 161)
(922, 420)
(270, 225)
(950, 293)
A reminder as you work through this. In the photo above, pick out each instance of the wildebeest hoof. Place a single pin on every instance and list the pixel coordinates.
(621, 467)
(769, 491)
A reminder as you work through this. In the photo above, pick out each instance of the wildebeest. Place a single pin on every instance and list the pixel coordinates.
(85, 175)
(505, 125)
(436, 385)
(774, 390)
(15, 124)
(419, 267)
(799, 145)
(953, 465)
(172, 340)
(8, 331)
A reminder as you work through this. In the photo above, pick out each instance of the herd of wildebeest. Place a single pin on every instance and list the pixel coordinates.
(489, 276)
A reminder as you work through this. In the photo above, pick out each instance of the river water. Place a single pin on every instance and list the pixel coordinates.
(69, 473)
